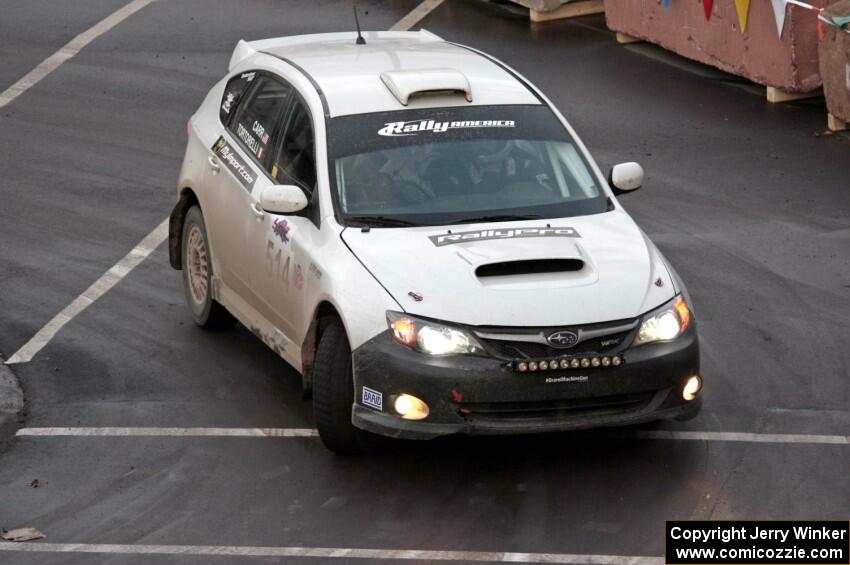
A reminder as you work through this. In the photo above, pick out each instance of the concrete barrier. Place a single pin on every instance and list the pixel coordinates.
(834, 57)
(788, 65)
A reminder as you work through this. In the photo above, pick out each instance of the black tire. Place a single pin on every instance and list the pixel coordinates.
(206, 312)
(333, 395)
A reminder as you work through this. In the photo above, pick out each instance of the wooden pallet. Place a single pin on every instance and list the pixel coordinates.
(776, 95)
(568, 10)
(836, 124)
(624, 39)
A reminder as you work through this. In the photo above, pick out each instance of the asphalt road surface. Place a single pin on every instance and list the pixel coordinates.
(748, 200)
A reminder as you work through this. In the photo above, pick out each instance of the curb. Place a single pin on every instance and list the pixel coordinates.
(11, 405)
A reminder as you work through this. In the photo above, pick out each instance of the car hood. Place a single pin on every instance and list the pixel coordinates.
(604, 267)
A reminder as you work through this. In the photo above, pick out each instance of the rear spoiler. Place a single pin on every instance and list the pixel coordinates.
(242, 51)
(245, 49)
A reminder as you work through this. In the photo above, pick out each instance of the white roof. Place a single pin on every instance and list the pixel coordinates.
(349, 75)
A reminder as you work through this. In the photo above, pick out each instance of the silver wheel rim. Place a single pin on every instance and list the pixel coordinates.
(197, 265)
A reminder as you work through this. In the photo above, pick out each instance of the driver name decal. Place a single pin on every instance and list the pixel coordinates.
(483, 235)
(418, 126)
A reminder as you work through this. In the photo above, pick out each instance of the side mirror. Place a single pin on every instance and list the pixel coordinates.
(625, 177)
(283, 199)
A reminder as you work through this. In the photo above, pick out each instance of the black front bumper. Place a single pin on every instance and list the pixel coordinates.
(484, 395)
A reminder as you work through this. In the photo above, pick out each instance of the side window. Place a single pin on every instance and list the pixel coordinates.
(256, 119)
(236, 87)
(295, 162)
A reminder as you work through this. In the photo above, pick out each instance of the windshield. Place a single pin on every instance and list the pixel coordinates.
(444, 166)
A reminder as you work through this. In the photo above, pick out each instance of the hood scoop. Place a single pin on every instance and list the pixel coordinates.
(529, 267)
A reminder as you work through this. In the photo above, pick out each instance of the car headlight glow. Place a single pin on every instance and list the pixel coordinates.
(430, 337)
(665, 323)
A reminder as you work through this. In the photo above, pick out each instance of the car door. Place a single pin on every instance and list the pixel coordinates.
(285, 243)
(239, 163)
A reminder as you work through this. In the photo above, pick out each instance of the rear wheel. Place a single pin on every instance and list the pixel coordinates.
(333, 395)
(197, 274)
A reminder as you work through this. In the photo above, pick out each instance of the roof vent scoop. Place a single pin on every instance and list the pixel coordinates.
(406, 84)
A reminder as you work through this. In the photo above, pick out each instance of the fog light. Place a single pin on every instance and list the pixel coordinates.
(532, 366)
(595, 361)
(574, 363)
(565, 364)
(410, 408)
(616, 361)
(544, 365)
(692, 387)
(606, 361)
(522, 366)
(585, 363)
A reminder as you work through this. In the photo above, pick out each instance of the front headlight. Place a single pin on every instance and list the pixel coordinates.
(431, 337)
(665, 323)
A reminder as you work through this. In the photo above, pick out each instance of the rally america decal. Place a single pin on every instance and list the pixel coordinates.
(419, 126)
(513, 233)
(243, 173)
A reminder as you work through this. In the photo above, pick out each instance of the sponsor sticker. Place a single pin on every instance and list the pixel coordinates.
(299, 277)
(416, 127)
(281, 229)
(228, 102)
(261, 132)
(372, 399)
(243, 173)
(570, 379)
(315, 271)
(483, 235)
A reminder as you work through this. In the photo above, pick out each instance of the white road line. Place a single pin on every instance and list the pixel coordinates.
(125, 265)
(742, 437)
(171, 432)
(100, 287)
(332, 552)
(69, 50)
(733, 437)
(416, 15)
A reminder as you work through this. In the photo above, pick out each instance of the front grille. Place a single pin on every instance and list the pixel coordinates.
(556, 409)
(602, 344)
(527, 350)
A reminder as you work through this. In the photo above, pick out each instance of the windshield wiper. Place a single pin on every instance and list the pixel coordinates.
(497, 218)
(381, 221)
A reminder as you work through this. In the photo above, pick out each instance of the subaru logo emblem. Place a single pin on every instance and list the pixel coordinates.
(563, 339)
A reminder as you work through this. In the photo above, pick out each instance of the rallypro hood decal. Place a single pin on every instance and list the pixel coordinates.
(617, 279)
(500, 233)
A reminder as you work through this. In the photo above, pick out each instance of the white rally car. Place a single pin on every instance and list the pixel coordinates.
(418, 231)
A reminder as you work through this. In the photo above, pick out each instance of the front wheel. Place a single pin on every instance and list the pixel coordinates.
(197, 274)
(333, 395)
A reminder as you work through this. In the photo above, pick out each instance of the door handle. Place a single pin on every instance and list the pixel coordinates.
(258, 212)
(214, 164)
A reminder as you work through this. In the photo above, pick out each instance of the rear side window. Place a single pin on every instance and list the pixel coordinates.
(236, 87)
(258, 116)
